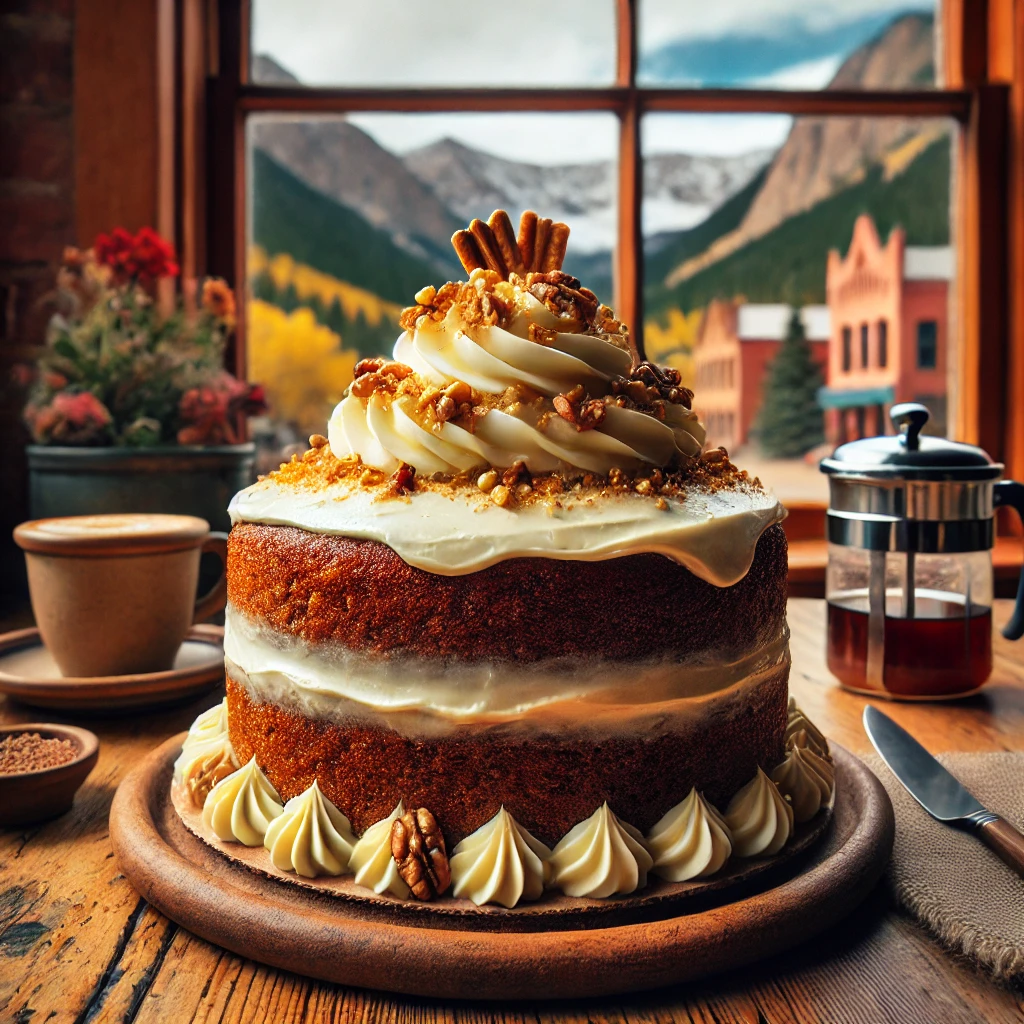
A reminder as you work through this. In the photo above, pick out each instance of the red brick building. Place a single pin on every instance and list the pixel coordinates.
(735, 344)
(889, 340)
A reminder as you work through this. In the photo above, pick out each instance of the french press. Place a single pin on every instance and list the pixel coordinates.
(909, 579)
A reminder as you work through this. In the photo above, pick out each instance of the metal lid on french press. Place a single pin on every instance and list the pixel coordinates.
(909, 455)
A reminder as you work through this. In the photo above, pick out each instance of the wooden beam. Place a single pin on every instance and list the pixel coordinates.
(1012, 63)
(629, 266)
(299, 100)
(121, 105)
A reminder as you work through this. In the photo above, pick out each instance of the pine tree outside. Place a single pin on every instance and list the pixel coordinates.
(790, 422)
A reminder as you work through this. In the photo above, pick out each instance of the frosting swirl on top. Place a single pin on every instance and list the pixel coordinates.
(690, 841)
(760, 820)
(311, 836)
(207, 737)
(599, 857)
(501, 862)
(241, 807)
(807, 780)
(512, 377)
(371, 861)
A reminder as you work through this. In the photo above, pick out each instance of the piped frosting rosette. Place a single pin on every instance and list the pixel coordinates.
(532, 384)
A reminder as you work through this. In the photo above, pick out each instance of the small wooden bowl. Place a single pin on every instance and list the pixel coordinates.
(36, 796)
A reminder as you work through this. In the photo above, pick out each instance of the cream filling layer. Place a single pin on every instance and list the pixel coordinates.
(458, 531)
(328, 681)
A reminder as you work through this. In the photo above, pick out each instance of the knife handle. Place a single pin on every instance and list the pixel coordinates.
(1005, 841)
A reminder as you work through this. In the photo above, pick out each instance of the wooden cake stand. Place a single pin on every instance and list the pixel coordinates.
(450, 949)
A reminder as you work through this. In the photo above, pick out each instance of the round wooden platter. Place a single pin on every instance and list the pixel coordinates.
(452, 950)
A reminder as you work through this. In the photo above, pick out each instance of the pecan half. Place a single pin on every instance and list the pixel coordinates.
(205, 774)
(418, 848)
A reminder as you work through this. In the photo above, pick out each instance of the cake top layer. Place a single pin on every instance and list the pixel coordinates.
(709, 521)
(515, 420)
(520, 362)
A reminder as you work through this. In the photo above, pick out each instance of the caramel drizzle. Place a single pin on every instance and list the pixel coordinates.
(540, 247)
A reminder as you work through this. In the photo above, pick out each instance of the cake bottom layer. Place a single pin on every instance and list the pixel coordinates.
(548, 782)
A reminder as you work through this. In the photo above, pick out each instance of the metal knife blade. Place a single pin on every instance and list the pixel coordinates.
(934, 788)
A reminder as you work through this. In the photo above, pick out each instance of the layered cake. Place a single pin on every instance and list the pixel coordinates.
(509, 625)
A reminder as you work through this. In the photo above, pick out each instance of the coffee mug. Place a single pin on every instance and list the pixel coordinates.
(116, 594)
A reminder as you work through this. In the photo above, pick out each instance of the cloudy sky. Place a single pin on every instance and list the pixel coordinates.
(777, 43)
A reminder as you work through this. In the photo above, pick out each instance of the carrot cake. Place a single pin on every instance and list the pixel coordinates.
(509, 624)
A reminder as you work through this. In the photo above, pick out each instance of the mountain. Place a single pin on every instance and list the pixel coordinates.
(822, 155)
(288, 216)
(348, 166)
(679, 189)
(787, 264)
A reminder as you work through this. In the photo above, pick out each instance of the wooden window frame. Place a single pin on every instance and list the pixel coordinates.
(212, 221)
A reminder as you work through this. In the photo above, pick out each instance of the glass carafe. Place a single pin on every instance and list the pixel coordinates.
(909, 580)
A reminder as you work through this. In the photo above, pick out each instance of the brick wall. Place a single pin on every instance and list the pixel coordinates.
(37, 218)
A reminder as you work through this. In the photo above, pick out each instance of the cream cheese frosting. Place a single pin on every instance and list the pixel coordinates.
(426, 694)
(371, 861)
(459, 531)
(311, 836)
(207, 736)
(759, 819)
(602, 856)
(806, 780)
(241, 807)
(691, 840)
(802, 732)
(490, 359)
(501, 862)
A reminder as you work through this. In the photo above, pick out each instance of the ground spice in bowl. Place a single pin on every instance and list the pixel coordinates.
(29, 752)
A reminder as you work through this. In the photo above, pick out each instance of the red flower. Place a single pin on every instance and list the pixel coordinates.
(210, 412)
(143, 257)
(69, 419)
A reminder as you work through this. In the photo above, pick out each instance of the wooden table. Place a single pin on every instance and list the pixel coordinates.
(77, 944)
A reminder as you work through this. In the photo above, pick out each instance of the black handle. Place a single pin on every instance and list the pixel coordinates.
(909, 418)
(1009, 492)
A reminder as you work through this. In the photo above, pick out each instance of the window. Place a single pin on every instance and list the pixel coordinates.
(927, 344)
(640, 85)
(883, 343)
(864, 346)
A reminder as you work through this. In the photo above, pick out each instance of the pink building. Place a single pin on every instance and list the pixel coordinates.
(889, 337)
(735, 344)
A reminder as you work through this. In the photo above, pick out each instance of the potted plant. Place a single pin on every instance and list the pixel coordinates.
(129, 405)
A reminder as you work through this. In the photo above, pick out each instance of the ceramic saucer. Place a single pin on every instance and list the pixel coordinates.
(29, 674)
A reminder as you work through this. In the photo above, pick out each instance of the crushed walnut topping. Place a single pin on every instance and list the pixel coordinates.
(564, 296)
(515, 487)
(582, 411)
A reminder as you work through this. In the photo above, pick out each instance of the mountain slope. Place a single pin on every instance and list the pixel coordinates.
(289, 216)
(343, 162)
(676, 248)
(787, 264)
(822, 155)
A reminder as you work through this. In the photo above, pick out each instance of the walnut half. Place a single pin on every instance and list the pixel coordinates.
(206, 773)
(418, 848)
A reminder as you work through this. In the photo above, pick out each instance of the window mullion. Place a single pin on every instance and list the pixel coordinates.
(629, 247)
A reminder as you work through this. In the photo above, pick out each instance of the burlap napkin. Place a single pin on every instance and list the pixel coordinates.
(950, 881)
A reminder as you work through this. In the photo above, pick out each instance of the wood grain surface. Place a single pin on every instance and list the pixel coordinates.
(78, 945)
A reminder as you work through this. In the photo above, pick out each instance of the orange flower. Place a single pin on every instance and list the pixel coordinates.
(219, 300)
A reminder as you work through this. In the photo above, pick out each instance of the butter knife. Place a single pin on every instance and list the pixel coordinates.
(939, 792)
